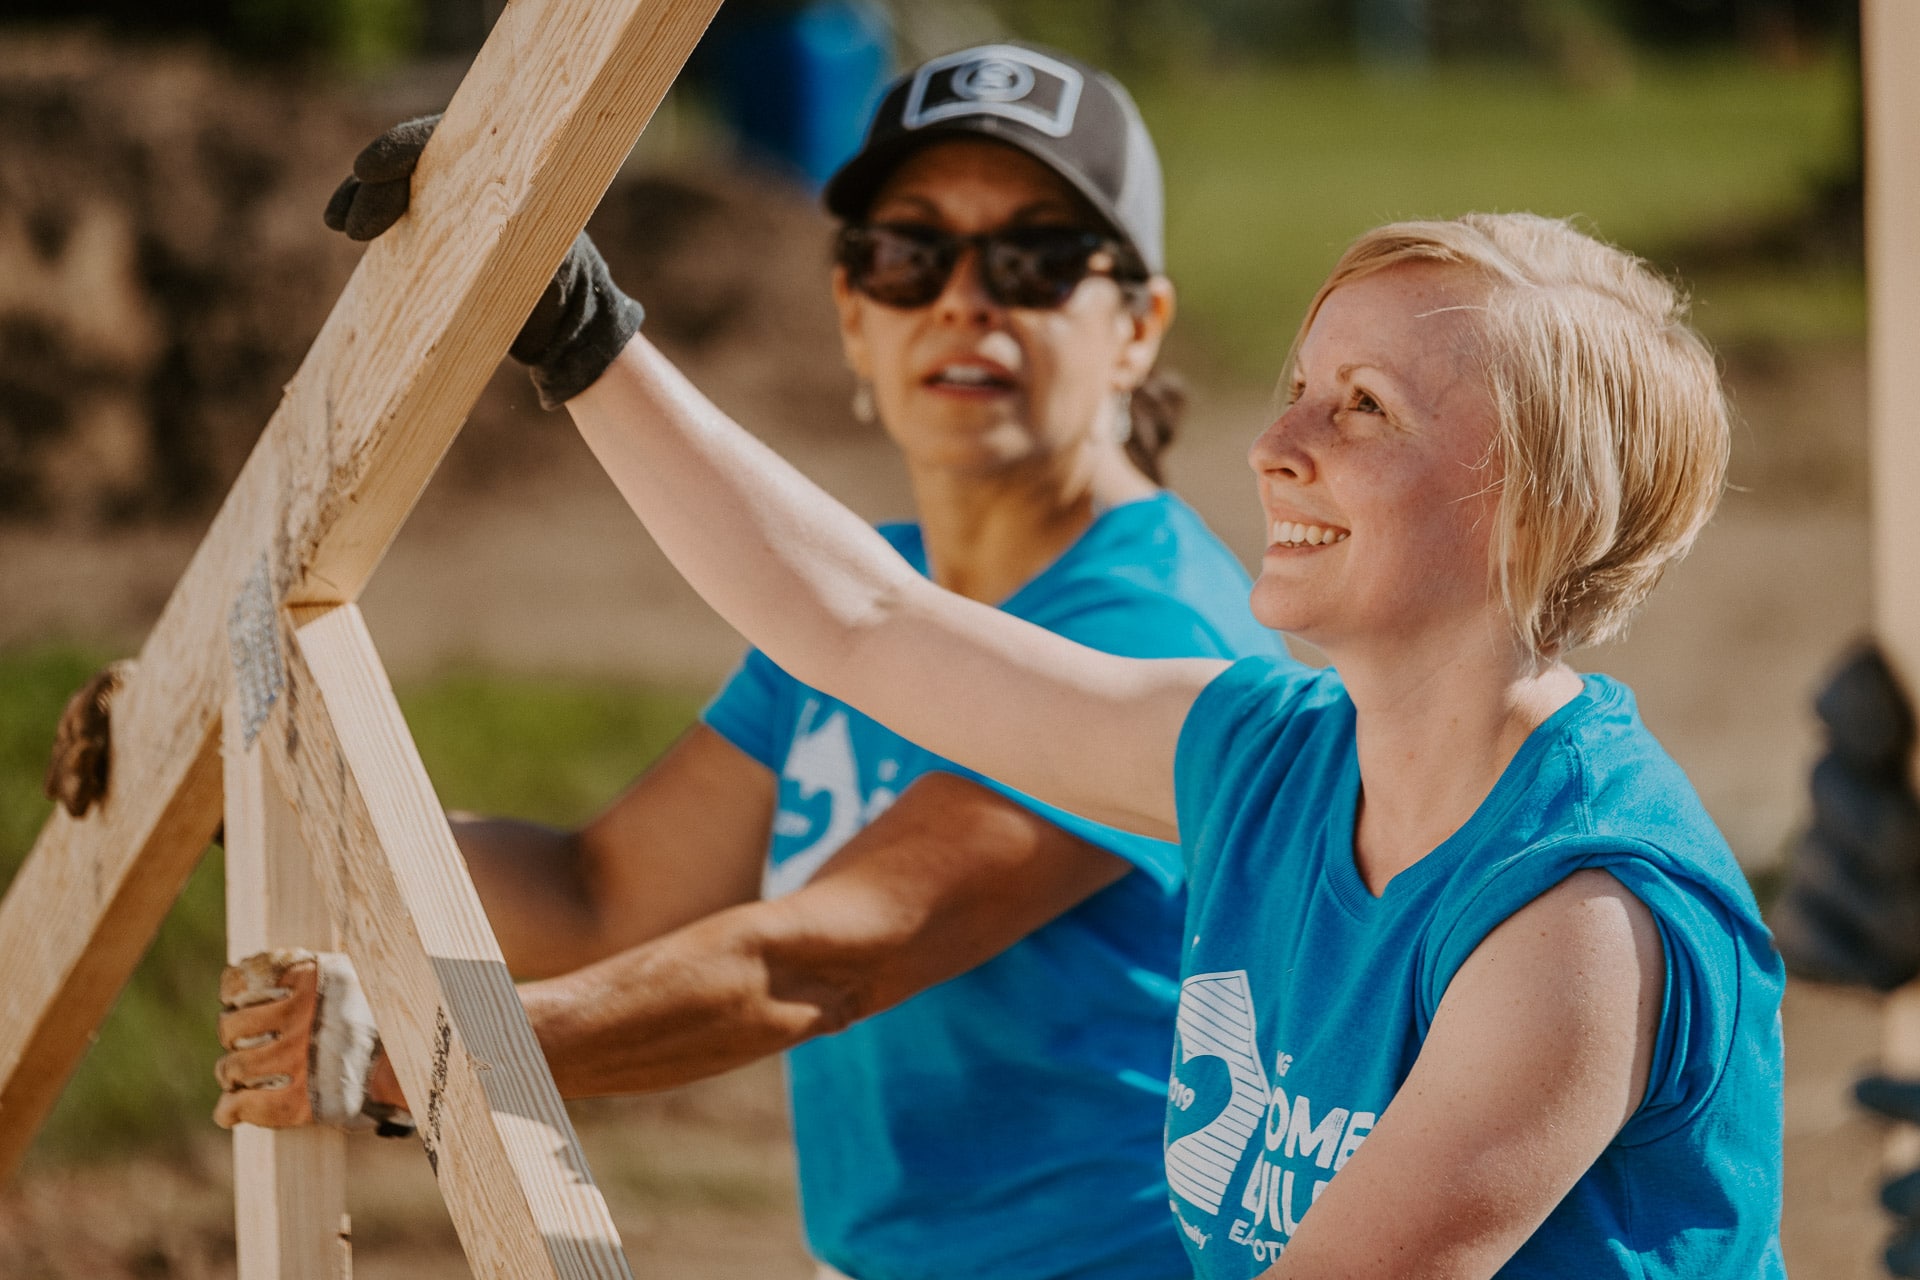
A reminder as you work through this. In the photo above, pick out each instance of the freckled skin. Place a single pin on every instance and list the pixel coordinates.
(1388, 437)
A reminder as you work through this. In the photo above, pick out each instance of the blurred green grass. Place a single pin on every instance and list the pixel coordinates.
(548, 749)
(1271, 171)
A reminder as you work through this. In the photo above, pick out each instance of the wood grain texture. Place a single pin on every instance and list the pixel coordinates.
(1890, 53)
(84, 907)
(539, 127)
(496, 1133)
(289, 1186)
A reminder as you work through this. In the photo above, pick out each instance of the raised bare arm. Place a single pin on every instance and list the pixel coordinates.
(824, 596)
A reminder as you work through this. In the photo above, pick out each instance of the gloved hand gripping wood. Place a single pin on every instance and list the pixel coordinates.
(581, 321)
(302, 1048)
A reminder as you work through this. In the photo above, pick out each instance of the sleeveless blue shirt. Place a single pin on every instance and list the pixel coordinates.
(1305, 999)
(1007, 1122)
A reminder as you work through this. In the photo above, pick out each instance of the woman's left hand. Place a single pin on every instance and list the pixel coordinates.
(582, 319)
(1538, 1055)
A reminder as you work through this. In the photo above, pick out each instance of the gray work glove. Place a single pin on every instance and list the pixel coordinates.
(579, 325)
(1850, 911)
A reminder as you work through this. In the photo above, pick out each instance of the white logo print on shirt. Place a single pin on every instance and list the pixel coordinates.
(820, 760)
(1216, 1021)
(1293, 1152)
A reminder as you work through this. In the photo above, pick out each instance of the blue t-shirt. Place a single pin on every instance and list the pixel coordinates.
(1305, 999)
(1005, 1123)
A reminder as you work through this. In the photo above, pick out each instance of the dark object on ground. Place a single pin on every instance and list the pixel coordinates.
(1850, 911)
(1898, 1100)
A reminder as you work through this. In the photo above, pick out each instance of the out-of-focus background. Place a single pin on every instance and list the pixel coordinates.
(163, 268)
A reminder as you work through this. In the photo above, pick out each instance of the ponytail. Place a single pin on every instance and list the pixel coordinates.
(1157, 406)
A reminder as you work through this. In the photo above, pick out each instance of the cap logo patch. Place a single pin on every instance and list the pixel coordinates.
(996, 80)
(993, 80)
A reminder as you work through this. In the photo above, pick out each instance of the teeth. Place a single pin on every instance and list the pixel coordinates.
(967, 375)
(1289, 533)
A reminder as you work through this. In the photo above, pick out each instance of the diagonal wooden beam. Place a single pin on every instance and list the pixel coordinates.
(509, 1165)
(77, 917)
(537, 130)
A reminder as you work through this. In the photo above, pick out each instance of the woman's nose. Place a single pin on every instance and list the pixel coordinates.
(964, 300)
(1279, 449)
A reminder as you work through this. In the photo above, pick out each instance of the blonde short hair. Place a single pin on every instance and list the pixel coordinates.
(1613, 429)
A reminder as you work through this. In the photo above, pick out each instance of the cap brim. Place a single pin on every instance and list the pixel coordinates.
(850, 191)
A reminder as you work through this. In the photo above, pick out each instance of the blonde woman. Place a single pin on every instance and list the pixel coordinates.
(1471, 984)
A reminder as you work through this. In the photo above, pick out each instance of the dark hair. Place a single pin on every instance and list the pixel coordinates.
(1158, 404)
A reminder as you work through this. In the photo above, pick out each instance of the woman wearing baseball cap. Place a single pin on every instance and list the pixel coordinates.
(975, 991)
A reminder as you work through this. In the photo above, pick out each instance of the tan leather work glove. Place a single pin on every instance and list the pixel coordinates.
(302, 1048)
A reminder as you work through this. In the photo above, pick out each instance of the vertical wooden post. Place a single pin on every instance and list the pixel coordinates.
(289, 1187)
(495, 1131)
(1890, 73)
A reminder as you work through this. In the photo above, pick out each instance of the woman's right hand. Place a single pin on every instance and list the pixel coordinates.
(301, 1048)
(580, 322)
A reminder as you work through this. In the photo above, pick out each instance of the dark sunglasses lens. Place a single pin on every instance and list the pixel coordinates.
(897, 267)
(1038, 268)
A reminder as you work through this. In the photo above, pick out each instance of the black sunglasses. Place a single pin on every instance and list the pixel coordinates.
(905, 265)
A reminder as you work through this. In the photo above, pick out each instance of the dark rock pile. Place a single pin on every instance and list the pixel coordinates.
(163, 269)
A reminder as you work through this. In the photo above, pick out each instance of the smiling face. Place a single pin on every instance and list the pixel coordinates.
(1376, 480)
(965, 383)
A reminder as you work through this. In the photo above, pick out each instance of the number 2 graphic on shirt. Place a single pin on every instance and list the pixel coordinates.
(1216, 1020)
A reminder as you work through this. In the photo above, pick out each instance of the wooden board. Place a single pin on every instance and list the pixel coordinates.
(108, 880)
(289, 1187)
(551, 106)
(1890, 48)
(510, 1168)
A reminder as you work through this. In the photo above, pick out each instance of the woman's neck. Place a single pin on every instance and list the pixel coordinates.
(1433, 736)
(989, 534)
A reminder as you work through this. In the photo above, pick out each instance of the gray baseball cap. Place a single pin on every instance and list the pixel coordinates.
(1072, 117)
